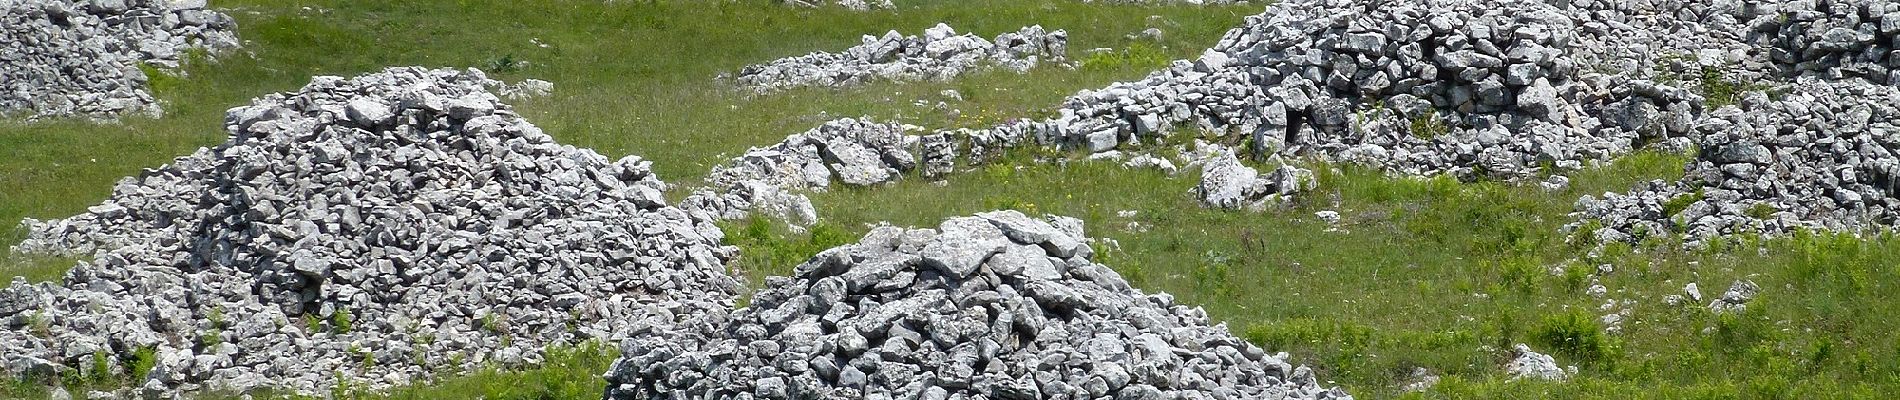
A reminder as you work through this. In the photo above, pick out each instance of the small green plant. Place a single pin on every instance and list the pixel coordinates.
(1681, 202)
(101, 370)
(142, 361)
(1138, 55)
(159, 80)
(492, 322)
(1213, 275)
(505, 63)
(340, 320)
(1427, 126)
(1761, 210)
(39, 324)
(312, 325)
(1575, 334)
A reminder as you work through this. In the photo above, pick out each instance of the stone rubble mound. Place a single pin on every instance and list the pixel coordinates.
(83, 57)
(859, 5)
(377, 230)
(1832, 39)
(768, 180)
(997, 305)
(1418, 87)
(1193, 2)
(940, 54)
(1820, 157)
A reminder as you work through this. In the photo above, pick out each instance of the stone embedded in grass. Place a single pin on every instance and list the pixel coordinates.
(1533, 365)
(1736, 298)
(873, 321)
(1226, 183)
(371, 231)
(88, 58)
(940, 54)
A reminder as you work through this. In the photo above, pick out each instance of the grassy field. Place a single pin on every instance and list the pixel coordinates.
(1422, 273)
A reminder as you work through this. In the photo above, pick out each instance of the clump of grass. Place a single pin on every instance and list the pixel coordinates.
(769, 249)
(1761, 210)
(1675, 205)
(1428, 126)
(1575, 334)
(340, 321)
(1137, 56)
(141, 362)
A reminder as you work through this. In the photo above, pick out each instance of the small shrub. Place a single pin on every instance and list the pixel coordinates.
(1575, 334)
(142, 362)
(1214, 273)
(311, 324)
(340, 320)
(505, 63)
(101, 367)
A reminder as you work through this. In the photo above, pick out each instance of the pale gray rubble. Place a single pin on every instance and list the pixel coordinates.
(940, 54)
(1418, 87)
(1526, 363)
(1227, 183)
(1819, 157)
(378, 230)
(83, 57)
(1194, 2)
(1831, 39)
(998, 305)
(860, 5)
(771, 180)
(1736, 298)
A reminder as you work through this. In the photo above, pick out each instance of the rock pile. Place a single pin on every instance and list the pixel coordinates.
(377, 229)
(1822, 156)
(83, 57)
(1832, 39)
(860, 5)
(768, 180)
(1417, 87)
(940, 54)
(997, 305)
(1194, 2)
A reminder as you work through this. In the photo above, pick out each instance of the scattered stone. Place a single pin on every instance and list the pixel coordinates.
(363, 230)
(940, 54)
(1035, 319)
(1421, 380)
(1736, 298)
(1534, 365)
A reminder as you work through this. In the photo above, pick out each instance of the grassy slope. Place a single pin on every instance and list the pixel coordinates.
(631, 78)
(1430, 274)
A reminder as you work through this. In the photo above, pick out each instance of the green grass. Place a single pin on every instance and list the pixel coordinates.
(631, 77)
